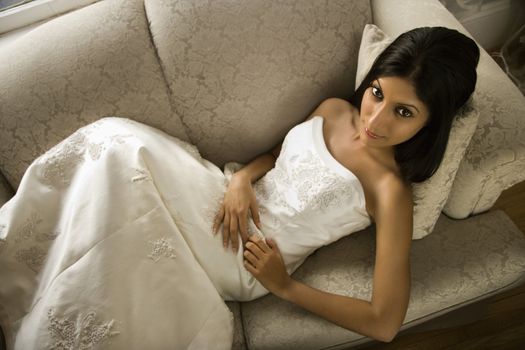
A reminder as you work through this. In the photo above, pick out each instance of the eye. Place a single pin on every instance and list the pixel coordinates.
(376, 92)
(404, 112)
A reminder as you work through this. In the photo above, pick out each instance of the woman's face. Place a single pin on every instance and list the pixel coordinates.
(391, 112)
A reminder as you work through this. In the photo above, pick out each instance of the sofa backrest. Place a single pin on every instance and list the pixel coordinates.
(92, 62)
(233, 78)
(242, 73)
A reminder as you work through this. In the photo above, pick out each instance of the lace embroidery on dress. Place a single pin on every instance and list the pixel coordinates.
(95, 150)
(266, 192)
(28, 228)
(33, 257)
(141, 175)
(59, 163)
(316, 186)
(47, 236)
(161, 248)
(96, 145)
(78, 332)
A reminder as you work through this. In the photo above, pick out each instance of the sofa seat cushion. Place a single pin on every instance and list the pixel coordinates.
(242, 73)
(74, 69)
(459, 263)
(238, 330)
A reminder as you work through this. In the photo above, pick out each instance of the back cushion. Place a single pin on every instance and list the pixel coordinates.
(89, 63)
(242, 73)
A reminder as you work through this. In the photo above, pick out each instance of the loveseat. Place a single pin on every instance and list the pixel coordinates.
(232, 77)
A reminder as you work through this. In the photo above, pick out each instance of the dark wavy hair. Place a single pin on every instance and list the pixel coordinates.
(441, 64)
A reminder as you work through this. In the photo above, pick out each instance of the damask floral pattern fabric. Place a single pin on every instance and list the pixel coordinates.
(244, 72)
(68, 72)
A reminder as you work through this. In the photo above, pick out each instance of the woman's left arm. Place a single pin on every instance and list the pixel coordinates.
(379, 318)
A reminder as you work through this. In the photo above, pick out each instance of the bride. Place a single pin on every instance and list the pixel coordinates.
(124, 237)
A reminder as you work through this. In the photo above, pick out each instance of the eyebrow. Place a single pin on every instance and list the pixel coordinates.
(404, 104)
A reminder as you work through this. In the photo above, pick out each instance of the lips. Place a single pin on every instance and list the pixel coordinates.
(372, 135)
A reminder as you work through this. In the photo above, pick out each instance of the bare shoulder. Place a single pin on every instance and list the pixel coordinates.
(392, 197)
(392, 187)
(332, 108)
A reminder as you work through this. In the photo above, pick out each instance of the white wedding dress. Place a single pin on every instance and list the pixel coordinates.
(108, 242)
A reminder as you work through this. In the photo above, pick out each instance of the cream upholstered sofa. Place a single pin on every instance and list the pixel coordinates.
(232, 77)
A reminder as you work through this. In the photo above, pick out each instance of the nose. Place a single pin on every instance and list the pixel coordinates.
(378, 118)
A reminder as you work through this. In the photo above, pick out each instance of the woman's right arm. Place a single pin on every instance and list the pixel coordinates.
(259, 166)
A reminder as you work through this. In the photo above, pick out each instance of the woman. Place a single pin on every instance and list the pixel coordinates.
(395, 135)
(108, 244)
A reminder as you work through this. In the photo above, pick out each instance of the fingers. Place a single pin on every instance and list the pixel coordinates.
(256, 254)
(255, 214)
(251, 258)
(252, 269)
(233, 233)
(226, 230)
(235, 223)
(272, 245)
(257, 246)
(230, 228)
(243, 221)
(218, 219)
(261, 242)
(238, 225)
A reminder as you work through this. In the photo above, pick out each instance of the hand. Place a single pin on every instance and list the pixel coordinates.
(264, 261)
(239, 199)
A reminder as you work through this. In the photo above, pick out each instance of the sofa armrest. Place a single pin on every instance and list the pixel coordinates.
(6, 191)
(495, 156)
